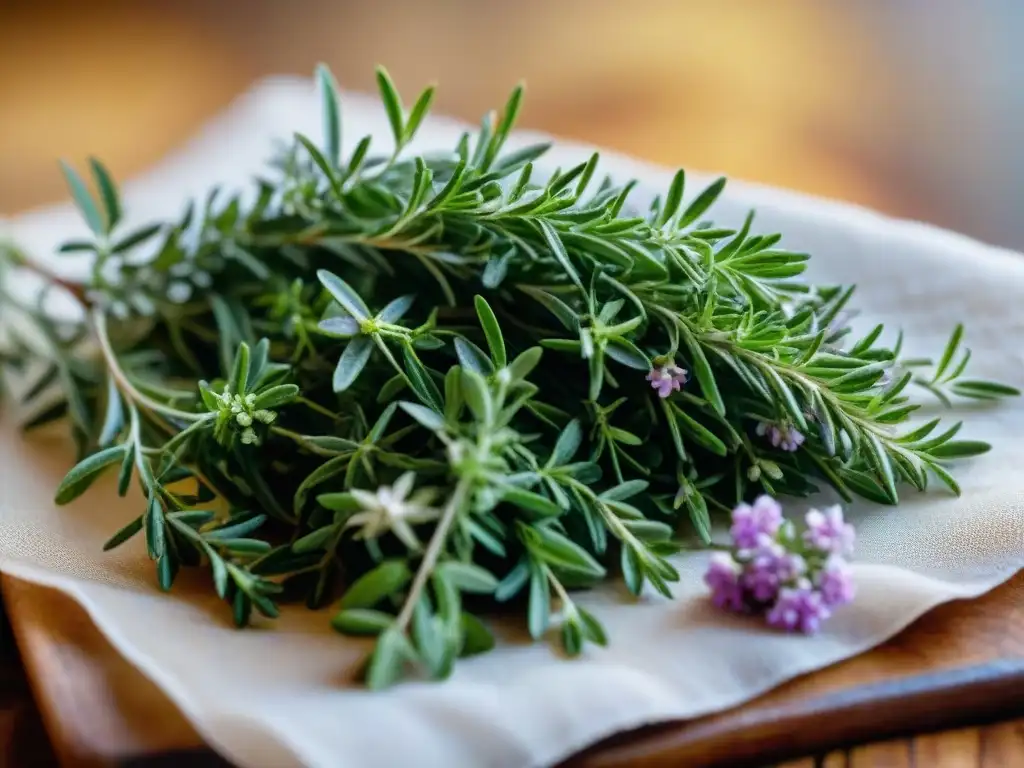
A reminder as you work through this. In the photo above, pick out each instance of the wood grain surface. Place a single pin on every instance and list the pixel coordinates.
(961, 664)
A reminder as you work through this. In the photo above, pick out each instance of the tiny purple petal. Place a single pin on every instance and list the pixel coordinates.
(748, 522)
(667, 379)
(798, 609)
(781, 436)
(835, 582)
(723, 577)
(763, 572)
(827, 531)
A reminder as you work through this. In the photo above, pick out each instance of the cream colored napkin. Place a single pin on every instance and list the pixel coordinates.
(279, 695)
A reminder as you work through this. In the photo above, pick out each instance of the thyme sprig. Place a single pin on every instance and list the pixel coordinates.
(438, 383)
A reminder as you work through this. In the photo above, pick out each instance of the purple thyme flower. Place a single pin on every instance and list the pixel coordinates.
(769, 568)
(765, 516)
(723, 577)
(667, 379)
(827, 531)
(783, 436)
(799, 608)
(835, 582)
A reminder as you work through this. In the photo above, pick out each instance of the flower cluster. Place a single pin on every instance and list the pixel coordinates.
(783, 436)
(795, 579)
(243, 412)
(667, 378)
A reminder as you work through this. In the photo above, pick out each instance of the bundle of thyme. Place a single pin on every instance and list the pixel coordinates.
(434, 383)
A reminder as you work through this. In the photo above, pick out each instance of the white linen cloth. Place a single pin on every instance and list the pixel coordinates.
(280, 695)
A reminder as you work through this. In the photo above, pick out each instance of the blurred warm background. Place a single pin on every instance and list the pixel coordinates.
(909, 106)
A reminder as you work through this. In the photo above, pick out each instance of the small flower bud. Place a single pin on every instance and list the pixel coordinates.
(265, 416)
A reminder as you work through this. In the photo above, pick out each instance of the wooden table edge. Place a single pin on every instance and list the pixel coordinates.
(950, 698)
(922, 703)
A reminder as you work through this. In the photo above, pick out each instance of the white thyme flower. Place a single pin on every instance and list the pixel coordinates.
(390, 508)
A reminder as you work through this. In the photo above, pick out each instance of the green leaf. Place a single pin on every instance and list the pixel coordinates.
(562, 553)
(626, 490)
(351, 363)
(342, 292)
(702, 370)
(567, 444)
(420, 380)
(492, 331)
(983, 389)
(960, 449)
(879, 460)
(355, 162)
(392, 105)
(325, 471)
(124, 534)
(235, 528)
(124, 475)
(240, 370)
(514, 581)
(673, 199)
(468, 577)
(219, 572)
(392, 652)
(84, 201)
(627, 353)
(85, 472)
(395, 310)
(524, 363)
(478, 398)
(632, 573)
(592, 627)
(624, 437)
(528, 501)
(698, 432)
(323, 163)
(319, 539)
(113, 419)
(476, 638)
(572, 637)
(562, 311)
(951, 349)
(557, 248)
(417, 113)
(331, 116)
(77, 246)
(108, 193)
(701, 203)
(425, 416)
(274, 397)
(539, 611)
(361, 621)
(166, 571)
(376, 585)
(472, 358)
(155, 527)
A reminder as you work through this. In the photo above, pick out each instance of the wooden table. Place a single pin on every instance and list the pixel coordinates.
(960, 665)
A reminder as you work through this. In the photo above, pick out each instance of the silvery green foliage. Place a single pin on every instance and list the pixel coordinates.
(432, 384)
